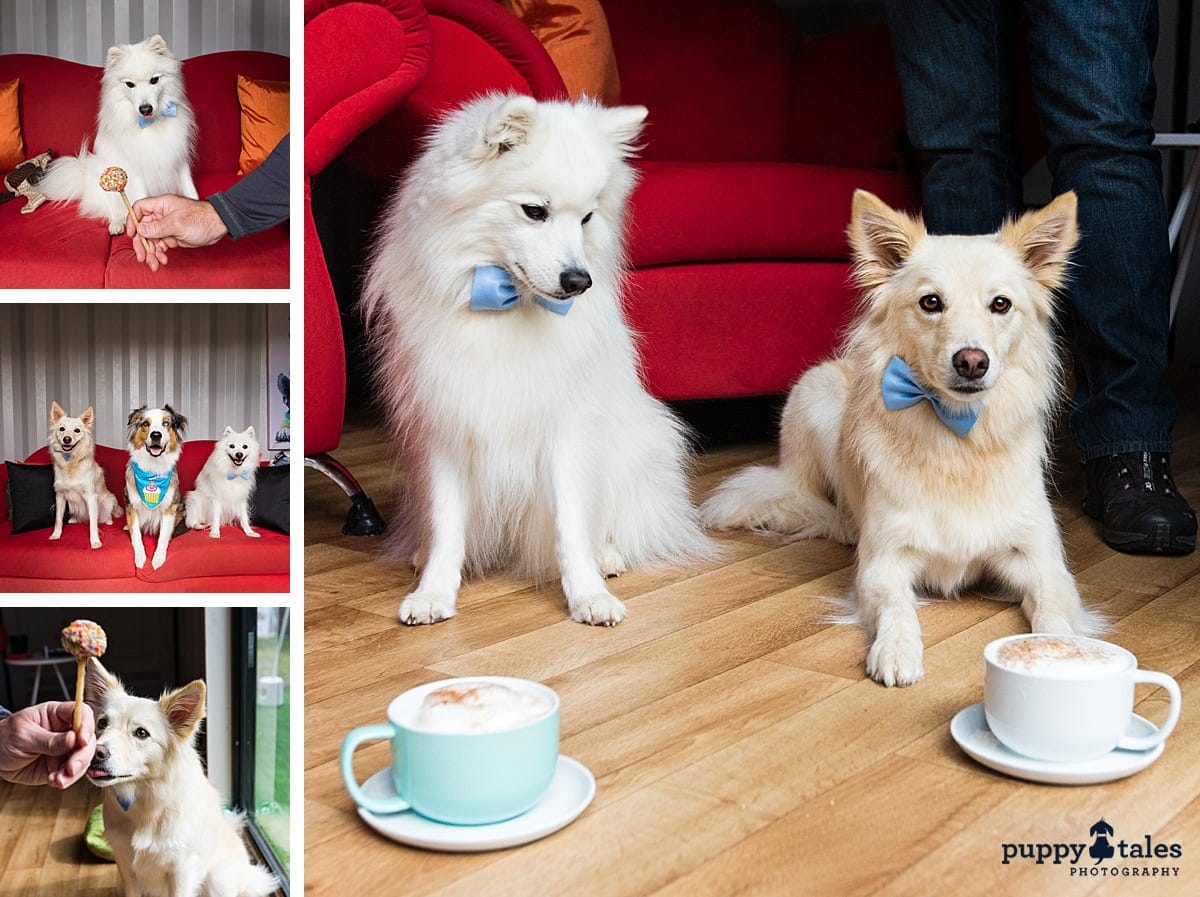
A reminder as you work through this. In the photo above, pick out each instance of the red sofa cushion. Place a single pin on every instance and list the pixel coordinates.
(194, 554)
(710, 211)
(51, 248)
(715, 76)
(32, 555)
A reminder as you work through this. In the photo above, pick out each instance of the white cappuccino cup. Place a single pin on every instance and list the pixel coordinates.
(1067, 698)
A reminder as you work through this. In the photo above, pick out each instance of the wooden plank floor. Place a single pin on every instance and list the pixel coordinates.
(737, 745)
(41, 830)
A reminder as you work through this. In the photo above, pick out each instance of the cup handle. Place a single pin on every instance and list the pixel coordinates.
(380, 805)
(1146, 742)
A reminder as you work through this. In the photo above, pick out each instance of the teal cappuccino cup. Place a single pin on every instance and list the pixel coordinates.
(460, 777)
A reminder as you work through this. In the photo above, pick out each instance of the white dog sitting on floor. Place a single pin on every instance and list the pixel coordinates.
(925, 441)
(493, 300)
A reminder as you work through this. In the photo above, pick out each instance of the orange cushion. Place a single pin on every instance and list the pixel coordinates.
(12, 150)
(575, 34)
(265, 119)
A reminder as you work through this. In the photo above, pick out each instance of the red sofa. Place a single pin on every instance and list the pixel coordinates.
(55, 248)
(30, 562)
(755, 143)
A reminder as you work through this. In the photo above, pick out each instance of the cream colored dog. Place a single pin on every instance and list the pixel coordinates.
(939, 477)
(78, 478)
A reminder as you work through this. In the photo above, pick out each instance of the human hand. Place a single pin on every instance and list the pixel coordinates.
(38, 746)
(170, 221)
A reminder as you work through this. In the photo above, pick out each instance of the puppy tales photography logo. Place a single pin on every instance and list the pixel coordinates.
(1103, 855)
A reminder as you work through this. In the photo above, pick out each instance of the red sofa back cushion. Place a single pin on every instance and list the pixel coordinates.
(58, 101)
(715, 75)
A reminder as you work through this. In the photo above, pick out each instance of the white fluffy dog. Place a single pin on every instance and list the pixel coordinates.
(935, 466)
(225, 485)
(493, 304)
(162, 817)
(144, 126)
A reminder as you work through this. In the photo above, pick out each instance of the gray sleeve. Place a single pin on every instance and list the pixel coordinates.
(260, 199)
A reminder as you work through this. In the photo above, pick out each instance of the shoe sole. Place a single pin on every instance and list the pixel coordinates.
(1163, 540)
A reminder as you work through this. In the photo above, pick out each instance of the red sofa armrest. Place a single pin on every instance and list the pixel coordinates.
(3, 492)
(847, 107)
(345, 93)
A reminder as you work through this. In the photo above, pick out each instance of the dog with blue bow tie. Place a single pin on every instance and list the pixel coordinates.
(493, 305)
(925, 442)
(145, 126)
(225, 485)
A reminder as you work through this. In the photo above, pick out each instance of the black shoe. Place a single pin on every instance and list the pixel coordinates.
(1135, 498)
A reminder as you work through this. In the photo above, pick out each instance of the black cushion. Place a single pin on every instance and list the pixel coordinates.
(272, 498)
(30, 496)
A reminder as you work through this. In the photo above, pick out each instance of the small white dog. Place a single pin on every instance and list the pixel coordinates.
(162, 817)
(925, 441)
(225, 485)
(78, 479)
(152, 493)
(493, 302)
(145, 126)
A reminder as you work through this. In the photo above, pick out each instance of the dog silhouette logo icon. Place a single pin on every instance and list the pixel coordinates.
(1101, 848)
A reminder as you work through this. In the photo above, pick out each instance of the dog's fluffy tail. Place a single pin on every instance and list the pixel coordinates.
(66, 178)
(772, 499)
(257, 882)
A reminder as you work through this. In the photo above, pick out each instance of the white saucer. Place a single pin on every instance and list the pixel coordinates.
(570, 791)
(970, 729)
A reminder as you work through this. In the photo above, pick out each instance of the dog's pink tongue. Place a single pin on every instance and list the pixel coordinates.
(155, 450)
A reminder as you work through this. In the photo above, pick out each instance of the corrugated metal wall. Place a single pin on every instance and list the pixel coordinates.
(83, 30)
(209, 362)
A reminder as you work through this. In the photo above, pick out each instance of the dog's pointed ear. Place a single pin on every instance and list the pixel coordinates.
(114, 56)
(624, 125)
(881, 238)
(135, 416)
(250, 432)
(157, 45)
(98, 683)
(184, 708)
(1044, 238)
(88, 417)
(508, 125)
(56, 412)
(227, 431)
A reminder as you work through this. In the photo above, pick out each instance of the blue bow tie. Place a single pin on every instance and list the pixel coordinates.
(901, 390)
(167, 111)
(233, 475)
(492, 289)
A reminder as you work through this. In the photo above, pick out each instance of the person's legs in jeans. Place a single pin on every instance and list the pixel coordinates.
(1091, 66)
(957, 69)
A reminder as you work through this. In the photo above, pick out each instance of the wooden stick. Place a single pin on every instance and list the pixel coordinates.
(77, 719)
(133, 214)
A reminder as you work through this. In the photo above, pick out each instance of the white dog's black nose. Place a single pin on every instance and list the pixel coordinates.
(146, 109)
(574, 281)
(66, 440)
(971, 364)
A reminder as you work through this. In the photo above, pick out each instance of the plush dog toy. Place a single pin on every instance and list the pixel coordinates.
(22, 181)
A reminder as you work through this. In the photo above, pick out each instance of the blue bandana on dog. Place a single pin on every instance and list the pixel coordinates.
(901, 390)
(151, 487)
(167, 111)
(493, 290)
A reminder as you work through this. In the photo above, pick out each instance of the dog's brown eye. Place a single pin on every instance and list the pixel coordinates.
(76, 429)
(101, 724)
(141, 733)
(931, 303)
(154, 80)
(535, 213)
(1001, 304)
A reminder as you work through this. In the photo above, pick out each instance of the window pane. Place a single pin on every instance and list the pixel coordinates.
(272, 755)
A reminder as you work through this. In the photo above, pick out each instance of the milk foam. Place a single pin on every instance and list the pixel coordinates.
(473, 707)
(1059, 656)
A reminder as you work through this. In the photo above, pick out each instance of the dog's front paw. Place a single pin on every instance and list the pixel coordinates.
(95, 542)
(1052, 623)
(610, 562)
(597, 610)
(896, 659)
(57, 534)
(158, 560)
(252, 534)
(116, 227)
(421, 608)
(139, 559)
(214, 533)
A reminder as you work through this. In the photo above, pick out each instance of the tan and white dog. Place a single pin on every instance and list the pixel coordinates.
(152, 492)
(78, 479)
(162, 817)
(939, 475)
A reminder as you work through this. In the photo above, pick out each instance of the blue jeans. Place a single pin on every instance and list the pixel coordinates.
(1093, 83)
